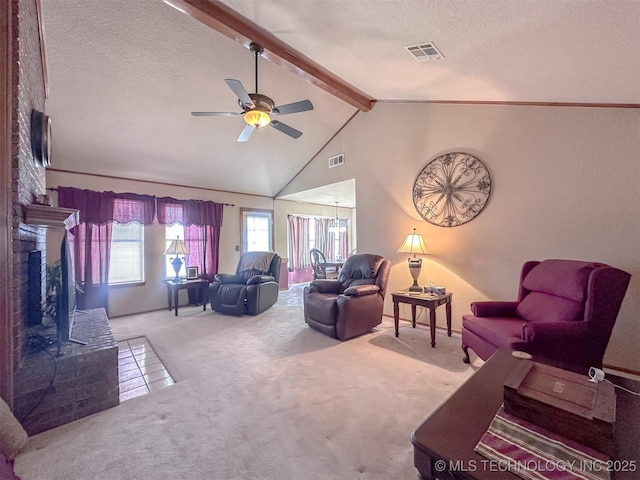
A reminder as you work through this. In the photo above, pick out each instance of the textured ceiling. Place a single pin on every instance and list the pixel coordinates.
(495, 50)
(125, 75)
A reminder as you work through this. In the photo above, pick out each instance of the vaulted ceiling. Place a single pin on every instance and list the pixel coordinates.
(123, 76)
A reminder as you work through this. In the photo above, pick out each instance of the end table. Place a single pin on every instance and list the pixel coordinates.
(428, 300)
(175, 287)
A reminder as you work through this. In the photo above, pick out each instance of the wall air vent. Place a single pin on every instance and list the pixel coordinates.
(336, 160)
(424, 52)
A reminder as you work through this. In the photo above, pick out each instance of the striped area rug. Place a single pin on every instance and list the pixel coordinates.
(534, 453)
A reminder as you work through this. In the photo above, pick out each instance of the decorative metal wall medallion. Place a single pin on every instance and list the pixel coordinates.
(452, 189)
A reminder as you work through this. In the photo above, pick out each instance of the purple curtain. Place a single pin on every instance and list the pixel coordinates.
(130, 207)
(91, 263)
(298, 249)
(199, 241)
(202, 221)
(324, 240)
(189, 212)
(92, 242)
(298, 242)
(344, 240)
(103, 207)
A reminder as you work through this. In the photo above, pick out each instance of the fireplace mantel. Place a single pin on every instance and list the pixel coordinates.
(52, 217)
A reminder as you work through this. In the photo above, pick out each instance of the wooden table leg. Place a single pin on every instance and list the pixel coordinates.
(175, 300)
(413, 315)
(432, 324)
(396, 316)
(448, 307)
(169, 296)
(204, 296)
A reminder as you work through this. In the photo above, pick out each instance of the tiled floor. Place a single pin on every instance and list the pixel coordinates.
(140, 371)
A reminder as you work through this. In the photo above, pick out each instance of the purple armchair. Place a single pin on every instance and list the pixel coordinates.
(564, 315)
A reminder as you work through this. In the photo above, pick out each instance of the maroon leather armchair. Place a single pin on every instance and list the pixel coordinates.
(564, 315)
(351, 304)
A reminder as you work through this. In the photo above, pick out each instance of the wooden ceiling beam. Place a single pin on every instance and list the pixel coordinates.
(223, 19)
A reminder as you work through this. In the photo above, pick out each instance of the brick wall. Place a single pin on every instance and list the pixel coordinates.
(86, 379)
(85, 382)
(28, 179)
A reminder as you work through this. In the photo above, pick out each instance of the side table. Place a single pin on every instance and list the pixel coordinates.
(427, 300)
(174, 287)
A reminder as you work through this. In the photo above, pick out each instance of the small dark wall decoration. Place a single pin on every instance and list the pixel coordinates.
(41, 138)
(452, 189)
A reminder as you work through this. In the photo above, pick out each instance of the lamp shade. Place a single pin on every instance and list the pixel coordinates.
(177, 247)
(414, 244)
(257, 118)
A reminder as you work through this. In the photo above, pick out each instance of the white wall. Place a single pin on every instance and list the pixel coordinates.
(153, 295)
(566, 184)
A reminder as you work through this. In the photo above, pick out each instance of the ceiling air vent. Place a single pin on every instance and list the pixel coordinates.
(424, 52)
(336, 160)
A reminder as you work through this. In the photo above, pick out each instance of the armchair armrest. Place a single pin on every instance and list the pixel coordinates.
(257, 279)
(361, 290)
(229, 278)
(325, 286)
(494, 309)
(555, 332)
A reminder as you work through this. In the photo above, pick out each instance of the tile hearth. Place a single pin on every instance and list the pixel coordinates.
(140, 371)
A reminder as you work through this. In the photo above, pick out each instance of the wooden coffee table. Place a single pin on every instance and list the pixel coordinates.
(444, 442)
(424, 300)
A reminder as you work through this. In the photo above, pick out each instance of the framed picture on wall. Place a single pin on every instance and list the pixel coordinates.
(192, 273)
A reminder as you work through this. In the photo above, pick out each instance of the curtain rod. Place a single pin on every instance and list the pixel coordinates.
(53, 189)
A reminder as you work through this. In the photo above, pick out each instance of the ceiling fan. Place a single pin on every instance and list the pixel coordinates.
(257, 109)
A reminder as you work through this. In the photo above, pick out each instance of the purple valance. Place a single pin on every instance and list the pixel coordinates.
(105, 207)
(189, 212)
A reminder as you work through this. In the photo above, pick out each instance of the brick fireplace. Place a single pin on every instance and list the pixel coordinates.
(73, 380)
(85, 375)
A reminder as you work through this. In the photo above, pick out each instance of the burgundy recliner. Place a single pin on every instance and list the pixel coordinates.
(564, 315)
(352, 304)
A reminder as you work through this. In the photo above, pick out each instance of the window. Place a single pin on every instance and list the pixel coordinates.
(172, 232)
(310, 231)
(126, 262)
(257, 232)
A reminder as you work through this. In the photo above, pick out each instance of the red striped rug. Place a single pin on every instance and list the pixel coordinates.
(534, 453)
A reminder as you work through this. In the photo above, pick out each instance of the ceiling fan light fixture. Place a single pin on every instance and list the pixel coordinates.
(257, 108)
(257, 118)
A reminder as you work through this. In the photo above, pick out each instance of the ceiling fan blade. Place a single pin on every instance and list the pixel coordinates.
(246, 133)
(240, 92)
(215, 114)
(296, 107)
(286, 129)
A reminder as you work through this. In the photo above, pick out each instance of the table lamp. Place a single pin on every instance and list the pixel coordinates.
(177, 247)
(415, 245)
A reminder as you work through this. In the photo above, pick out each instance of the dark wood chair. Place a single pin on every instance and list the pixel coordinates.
(318, 264)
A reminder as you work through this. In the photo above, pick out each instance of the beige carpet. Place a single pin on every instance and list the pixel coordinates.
(260, 397)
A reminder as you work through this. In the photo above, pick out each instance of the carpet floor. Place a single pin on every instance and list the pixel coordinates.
(261, 397)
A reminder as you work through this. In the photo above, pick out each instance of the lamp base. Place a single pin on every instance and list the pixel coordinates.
(415, 265)
(177, 265)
